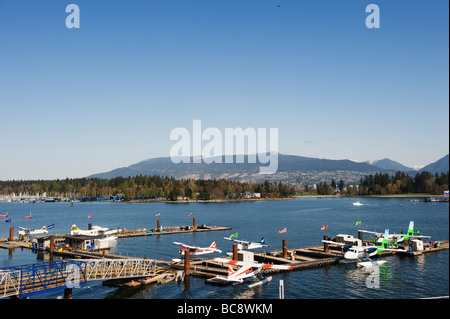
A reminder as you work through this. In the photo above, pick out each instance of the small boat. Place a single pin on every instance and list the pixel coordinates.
(132, 283)
(166, 278)
(4, 215)
(357, 204)
(28, 217)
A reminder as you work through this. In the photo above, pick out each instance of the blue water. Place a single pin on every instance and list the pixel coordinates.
(401, 277)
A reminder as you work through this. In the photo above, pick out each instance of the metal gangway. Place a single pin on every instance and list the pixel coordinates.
(27, 280)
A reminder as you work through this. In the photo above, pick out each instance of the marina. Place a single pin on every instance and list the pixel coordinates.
(118, 270)
(298, 258)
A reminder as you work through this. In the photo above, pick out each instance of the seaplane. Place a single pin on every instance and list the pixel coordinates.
(247, 272)
(95, 231)
(357, 253)
(398, 238)
(242, 244)
(27, 231)
(194, 250)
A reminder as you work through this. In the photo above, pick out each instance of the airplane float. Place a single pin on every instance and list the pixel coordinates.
(242, 244)
(397, 238)
(27, 231)
(247, 272)
(194, 250)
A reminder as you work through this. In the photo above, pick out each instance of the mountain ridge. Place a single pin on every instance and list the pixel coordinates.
(291, 168)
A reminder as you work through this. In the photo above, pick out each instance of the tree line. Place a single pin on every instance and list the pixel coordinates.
(388, 184)
(142, 186)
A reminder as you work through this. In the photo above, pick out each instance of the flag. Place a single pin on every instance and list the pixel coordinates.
(51, 226)
(158, 214)
(323, 227)
(283, 230)
(190, 213)
(357, 223)
(89, 216)
(8, 220)
(235, 235)
(446, 193)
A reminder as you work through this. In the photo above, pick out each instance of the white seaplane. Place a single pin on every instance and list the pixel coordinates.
(246, 245)
(248, 271)
(27, 231)
(95, 231)
(194, 250)
(397, 238)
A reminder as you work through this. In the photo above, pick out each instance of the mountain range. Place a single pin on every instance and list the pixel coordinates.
(297, 170)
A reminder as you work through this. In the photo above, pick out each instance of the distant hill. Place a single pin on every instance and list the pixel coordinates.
(390, 165)
(441, 165)
(290, 168)
(297, 170)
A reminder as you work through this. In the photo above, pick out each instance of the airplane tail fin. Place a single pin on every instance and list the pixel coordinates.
(262, 241)
(230, 271)
(213, 245)
(44, 228)
(385, 242)
(74, 227)
(411, 228)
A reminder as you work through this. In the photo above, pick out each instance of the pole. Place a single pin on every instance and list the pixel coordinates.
(235, 252)
(281, 289)
(325, 245)
(187, 262)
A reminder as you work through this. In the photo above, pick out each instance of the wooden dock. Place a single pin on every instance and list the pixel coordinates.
(299, 258)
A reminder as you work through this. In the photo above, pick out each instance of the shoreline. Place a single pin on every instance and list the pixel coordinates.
(207, 201)
(371, 196)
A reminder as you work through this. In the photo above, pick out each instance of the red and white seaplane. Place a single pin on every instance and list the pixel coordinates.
(248, 271)
(194, 250)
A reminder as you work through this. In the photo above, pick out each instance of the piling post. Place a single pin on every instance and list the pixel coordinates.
(90, 226)
(11, 233)
(194, 223)
(187, 262)
(325, 245)
(235, 252)
(158, 224)
(52, 243)
(67, 293)
(360, 235)
(285, 248)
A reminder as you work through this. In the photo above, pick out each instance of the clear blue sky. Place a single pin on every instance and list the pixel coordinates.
(75, 102)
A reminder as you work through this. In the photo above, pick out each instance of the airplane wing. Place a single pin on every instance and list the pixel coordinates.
(23, 228)
(371, 232)
(237, 240)
(333, 242)
(183, 245)
(408, 236)
(242, 263)
(226, 279)
(391, 249)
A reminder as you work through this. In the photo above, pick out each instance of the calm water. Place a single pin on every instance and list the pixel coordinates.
(400, 277)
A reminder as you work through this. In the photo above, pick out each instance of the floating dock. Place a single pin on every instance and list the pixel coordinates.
(322, 255)
(298, 258)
